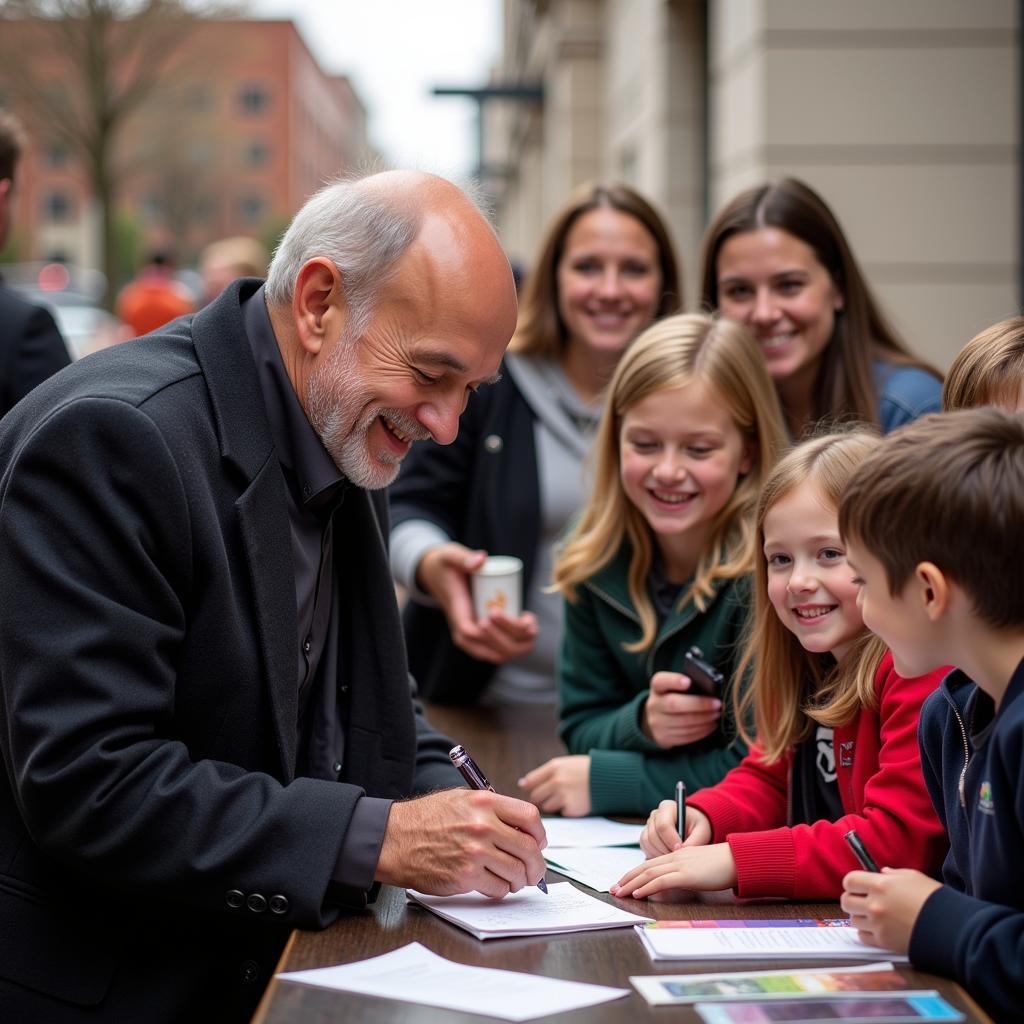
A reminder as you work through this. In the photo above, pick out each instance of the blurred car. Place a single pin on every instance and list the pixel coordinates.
(72, 297)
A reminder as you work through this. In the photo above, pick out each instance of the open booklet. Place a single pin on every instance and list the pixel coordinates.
(759, 939)
(527, 912)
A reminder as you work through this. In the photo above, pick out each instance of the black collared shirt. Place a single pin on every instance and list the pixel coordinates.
(315, 491)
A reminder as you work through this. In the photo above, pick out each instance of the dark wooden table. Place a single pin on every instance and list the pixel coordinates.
(506, 743)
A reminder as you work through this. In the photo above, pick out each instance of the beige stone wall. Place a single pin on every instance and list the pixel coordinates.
(904, 115)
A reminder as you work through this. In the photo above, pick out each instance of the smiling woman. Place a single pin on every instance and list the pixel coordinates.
(776, 259)
(514, 477)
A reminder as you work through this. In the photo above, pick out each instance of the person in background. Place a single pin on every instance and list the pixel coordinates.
(207, 723)
(31, 346)
(989, 369)
(228, 258)
(776, 259)
(835, 719)
(659, 562)
(515, 476)
(933, 525)
(153, 298)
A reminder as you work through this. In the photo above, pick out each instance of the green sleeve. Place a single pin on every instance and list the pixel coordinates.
(600, 706)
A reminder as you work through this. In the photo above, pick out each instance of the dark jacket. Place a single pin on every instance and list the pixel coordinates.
(483, 491)
(972, 929)
(156, 846)
(31, 348)
(603, 689)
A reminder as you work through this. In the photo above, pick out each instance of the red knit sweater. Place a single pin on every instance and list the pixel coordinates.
(878, 770)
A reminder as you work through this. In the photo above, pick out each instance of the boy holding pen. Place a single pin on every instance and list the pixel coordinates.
(934, 526)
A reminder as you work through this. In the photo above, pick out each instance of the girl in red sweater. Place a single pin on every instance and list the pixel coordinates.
(836, 726)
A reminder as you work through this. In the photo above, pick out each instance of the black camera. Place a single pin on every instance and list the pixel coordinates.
(704, 678)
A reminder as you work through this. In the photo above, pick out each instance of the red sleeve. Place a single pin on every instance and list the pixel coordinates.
(753, 795)
(888, 805)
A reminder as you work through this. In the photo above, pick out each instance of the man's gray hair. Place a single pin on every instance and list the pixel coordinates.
(359, 230)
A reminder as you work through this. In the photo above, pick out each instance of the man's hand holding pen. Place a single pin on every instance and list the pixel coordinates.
(460, 840)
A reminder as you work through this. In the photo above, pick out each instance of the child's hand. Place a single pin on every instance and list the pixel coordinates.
(660, 836)
(884, 906)
(672, 717)
(561, 785)
(700, 868)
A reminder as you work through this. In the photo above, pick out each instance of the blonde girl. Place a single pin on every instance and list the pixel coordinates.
(836, 727)
(989, 369)
(658, 563)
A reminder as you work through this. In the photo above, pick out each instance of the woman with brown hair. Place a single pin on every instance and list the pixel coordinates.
(777, 260)
(514, 477)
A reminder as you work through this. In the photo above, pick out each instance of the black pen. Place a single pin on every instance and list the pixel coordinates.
(866, 860)
(681, 809)
(475, 779)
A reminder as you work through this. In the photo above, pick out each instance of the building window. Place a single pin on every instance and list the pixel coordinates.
(252, 210)
(56, 207)
(57, 156)
(253, 100)
(153, 208)
(256, 154)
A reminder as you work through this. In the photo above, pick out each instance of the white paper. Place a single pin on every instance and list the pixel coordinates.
(413, 974)
(770, 943)
(597, 867)
(527, 912)
(590, 832)
(654, 987)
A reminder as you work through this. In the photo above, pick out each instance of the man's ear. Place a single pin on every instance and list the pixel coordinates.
(317, 303)
(934, 589)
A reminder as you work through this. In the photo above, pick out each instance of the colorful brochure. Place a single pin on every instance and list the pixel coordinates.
(862, 1008)
(678, 989)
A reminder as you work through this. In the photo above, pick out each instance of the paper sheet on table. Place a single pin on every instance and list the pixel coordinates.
(760, 939)
(527, 912)
(597, 867)
(590, 832)
(413, 974)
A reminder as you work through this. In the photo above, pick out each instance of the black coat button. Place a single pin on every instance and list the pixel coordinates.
(337, 767)
(235, 898)
(279, 904)
(256, 902)
(249, 971)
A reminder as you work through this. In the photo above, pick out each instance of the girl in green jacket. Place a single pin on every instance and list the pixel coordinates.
(658, 563)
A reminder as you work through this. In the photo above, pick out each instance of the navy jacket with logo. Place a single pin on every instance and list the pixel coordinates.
(972, 929)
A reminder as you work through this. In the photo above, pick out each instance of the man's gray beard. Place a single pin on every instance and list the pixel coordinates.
(333, 390)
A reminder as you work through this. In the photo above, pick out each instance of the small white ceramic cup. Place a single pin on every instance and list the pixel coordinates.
(498, 586)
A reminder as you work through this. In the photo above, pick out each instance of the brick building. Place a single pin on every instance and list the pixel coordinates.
(243, 126)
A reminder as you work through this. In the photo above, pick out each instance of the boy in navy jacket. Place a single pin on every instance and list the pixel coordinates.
(934, 525)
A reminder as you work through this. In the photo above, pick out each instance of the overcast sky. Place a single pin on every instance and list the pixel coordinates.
(395, 51)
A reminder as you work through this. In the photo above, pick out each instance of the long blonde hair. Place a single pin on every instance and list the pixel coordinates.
(671, 354)
(791, 687)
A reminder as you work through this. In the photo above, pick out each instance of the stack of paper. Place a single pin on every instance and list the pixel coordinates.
(579, 832)
(414, 974)
(527, 912)
(760, 939)
(594, 851)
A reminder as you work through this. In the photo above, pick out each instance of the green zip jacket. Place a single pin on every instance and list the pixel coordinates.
(603, 688)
